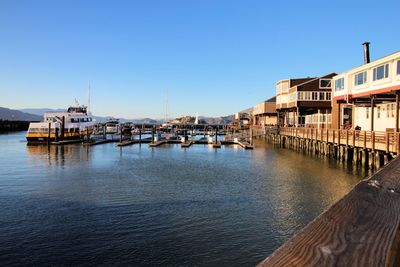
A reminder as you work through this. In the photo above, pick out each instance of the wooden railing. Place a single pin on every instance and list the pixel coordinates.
(375, 140)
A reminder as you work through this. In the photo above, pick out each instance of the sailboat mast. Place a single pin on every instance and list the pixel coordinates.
(166, 107)
(89, 99)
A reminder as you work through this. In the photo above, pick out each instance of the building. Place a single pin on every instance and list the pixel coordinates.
(368, 96)
(305, 102)
(243, 118)
(265, 112)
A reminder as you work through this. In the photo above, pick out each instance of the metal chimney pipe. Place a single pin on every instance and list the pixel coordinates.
(366, 53)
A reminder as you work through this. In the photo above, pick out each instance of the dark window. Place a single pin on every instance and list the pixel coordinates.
(325, 83)
(398, 67)
(381, 72)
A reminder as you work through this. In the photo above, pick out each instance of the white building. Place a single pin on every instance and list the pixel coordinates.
(366, 95)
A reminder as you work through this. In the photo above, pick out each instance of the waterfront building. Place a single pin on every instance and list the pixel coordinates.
(243, 118)
(265, 112)
(305, 102)
(368, 96)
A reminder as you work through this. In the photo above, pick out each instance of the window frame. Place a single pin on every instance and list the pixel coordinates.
(385, 72)
(364, 78)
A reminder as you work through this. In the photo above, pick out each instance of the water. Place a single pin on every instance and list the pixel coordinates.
(168, 206)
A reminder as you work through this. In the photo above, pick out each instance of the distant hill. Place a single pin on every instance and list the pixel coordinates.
(40, 111)
(16, 115)
(208, 120)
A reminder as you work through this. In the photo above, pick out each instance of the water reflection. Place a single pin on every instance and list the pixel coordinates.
(158, 206)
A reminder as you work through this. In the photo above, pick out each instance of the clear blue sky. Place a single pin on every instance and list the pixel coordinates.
(215, 57)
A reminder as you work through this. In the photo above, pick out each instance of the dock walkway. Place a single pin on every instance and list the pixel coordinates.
(361, 229)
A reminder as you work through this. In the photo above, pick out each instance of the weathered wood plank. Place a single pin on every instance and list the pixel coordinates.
(361, 229)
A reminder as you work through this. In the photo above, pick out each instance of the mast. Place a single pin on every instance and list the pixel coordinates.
(166, 107)
(89, 100)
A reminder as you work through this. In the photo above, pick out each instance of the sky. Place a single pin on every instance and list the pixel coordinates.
(210, 57)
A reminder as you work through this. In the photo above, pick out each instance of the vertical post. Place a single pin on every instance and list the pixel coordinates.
(152, 134)
(56, 133)
(387, 142)
(318, 118)
(62, 127)
(365, 140)
(339, 120)
(120, 134)
(354, 138)
(373, 141)
(347, 137)
(372, 113)
(104, 132)
(333, 137)
(87, 134)
(48, 134)
(216, 135)
(398, 143)
(140, 135)
(397, 112)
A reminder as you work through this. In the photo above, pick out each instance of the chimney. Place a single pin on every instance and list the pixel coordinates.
(366, 53)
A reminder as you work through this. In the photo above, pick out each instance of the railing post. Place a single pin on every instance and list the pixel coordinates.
(354, 138)
(398, 143)
(373, 141)
(347, 137)
(339, 137)
(387, 142)
(327, 135)
(365, 140)
(333, 137)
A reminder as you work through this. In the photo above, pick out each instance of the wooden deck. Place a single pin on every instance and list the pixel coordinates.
(361, 229)
(383, 141)
(245, 145)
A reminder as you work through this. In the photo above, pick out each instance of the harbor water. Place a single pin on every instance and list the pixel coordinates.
(169, 206)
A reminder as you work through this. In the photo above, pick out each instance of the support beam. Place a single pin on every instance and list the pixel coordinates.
(372, 113)
(397, 112)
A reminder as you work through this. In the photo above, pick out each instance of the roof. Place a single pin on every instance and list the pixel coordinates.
(271, 100)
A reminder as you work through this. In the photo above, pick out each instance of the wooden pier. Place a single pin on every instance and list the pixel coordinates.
(369, 148)
(361, 229)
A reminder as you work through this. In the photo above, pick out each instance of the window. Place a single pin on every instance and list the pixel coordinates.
(378, 112)
(314, 95)
(328, 96)
(387, 110)
(360, 78)
(300, 95)
(367, 113)
(398, 67)
(325, 83)
(321, 95)
(392, 110)
(339, 84)
(381, 72)
(307, 96)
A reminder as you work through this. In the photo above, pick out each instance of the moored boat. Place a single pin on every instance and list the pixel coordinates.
(73, 124)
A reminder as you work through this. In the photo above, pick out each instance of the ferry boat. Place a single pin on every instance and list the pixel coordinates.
(73, 124)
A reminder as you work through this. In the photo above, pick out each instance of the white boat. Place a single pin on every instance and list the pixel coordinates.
(73, 124)
(112, 126)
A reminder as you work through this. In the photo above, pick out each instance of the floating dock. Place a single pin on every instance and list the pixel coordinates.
(187, 144)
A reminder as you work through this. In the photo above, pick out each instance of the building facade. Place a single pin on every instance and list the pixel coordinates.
(368, 96)
(305, 102)
(265, 113)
